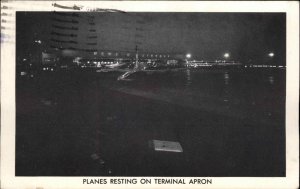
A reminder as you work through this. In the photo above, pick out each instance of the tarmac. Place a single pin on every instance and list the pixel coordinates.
(76, 125)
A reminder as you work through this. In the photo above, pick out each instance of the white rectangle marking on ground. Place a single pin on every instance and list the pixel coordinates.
(167, 146)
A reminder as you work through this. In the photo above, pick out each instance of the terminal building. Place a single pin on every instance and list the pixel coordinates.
(88, 39)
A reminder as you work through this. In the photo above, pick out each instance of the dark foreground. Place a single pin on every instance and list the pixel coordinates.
(229, 123)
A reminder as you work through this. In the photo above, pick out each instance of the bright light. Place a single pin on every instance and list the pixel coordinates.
(188, 55)
(226, 55)
(38, 41)
(271, 54)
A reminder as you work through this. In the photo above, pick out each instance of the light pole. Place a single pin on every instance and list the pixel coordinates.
(270, 58)
(188, 56)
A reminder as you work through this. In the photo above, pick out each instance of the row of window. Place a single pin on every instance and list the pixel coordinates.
(130, 54)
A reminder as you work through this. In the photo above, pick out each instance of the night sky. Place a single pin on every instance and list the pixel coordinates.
(248, 37)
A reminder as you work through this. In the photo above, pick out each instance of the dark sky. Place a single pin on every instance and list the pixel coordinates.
(205, 35)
